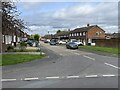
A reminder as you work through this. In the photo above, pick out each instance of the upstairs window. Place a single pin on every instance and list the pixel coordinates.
(83, 33)
(80, 34)
(97, 33)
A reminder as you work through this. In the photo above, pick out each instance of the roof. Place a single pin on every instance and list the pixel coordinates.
(85, 29)
(62, 33)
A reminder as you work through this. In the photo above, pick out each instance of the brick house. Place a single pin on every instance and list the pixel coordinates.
(12, 37)
(86, 34)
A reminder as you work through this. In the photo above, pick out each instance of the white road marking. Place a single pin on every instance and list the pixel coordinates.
(92, 76)
(61, 54)
(8, 80)
(62, 77)
(48, 56)
(111, 65)
(77, 53)
(31, 78)
(73, 76)
(89, 57)
(53, 77)
(108, 75)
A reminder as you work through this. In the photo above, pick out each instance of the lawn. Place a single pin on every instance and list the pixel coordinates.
(10, 59)
(102, 49)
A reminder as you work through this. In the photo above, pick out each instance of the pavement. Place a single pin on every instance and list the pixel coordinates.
(63, 68)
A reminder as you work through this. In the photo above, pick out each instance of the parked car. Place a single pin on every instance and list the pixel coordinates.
(53, 42)
(77, 42)
(45, 41)
(30, 42)
(71, 45)
(62, 42)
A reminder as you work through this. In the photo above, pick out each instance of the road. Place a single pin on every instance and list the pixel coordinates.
(63, 68)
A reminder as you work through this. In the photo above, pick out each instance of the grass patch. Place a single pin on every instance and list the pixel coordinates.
(10, 59)
(0, 59)
(102, 49)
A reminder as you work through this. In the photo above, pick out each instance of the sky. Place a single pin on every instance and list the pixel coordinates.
(42, 17)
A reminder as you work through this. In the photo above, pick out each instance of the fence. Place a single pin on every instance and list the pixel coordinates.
(114, 42)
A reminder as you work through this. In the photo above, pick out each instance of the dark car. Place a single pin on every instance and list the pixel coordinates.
(71, 45)
(53, 42)
(30, 42)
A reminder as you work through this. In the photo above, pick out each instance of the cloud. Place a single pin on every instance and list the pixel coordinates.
(65, 0)
(104, 14)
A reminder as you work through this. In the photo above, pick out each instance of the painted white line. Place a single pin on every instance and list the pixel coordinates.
(52, 77)
(30, 79)
(111, 65)
(89, 57)
(92, 76)
(77, 53)
(8, 80)
(61, 54)
(73, 76)
(108, 75)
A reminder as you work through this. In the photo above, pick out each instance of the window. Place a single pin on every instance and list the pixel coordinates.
(72, 34)
(3, 38)
(97, 33)
(84, 33)
(75, 34)
(80, 34)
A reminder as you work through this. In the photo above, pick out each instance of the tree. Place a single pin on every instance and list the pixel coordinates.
(36, 37)
(10, 20)
(58, 31)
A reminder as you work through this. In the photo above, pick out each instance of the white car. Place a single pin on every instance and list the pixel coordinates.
(48, 40)
(62, 42)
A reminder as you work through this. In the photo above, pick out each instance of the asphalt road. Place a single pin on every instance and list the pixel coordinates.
(63, 68)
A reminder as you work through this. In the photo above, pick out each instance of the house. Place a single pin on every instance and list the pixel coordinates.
(86, 34)
(12, 37)
(63, 35)
(112, 35)
(116, 35)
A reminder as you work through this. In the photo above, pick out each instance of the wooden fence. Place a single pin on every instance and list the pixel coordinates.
(114, 42)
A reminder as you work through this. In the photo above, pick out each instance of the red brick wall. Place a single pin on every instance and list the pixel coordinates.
(92, 33)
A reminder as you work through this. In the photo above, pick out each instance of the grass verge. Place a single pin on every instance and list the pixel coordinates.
(102, 49)
(11, 59)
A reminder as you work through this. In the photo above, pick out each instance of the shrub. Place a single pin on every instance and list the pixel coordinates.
(23, 45)
(10, 48)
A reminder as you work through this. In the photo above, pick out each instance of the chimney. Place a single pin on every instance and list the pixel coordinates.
(88, 25)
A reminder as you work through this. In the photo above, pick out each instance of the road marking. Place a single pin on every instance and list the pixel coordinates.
(89, 57)
(8, 80)
(73, 76)
(77, 53)
(61, 54)
(111, 65)
(30, 79)
(92, 76)
(108, 75)
(48, 56)
(53, 77)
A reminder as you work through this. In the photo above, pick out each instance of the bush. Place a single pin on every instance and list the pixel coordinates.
(10, 48)
(23, 46)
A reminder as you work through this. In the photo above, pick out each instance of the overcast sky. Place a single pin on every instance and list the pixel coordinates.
(42, 17)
